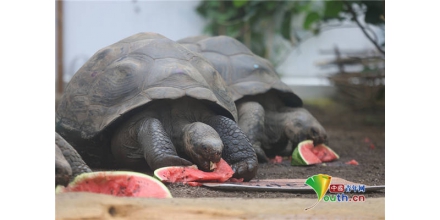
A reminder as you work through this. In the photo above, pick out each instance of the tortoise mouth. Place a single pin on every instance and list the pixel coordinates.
(206, 163)
(206, 166)
(319, 140)
(203, 145)
(206, 160)
(212, 166)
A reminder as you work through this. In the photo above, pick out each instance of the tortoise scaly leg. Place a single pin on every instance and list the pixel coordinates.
(145, 140)
(63, 172)
(75, 161)
(251, 122)
(237, 149)
(274, 129)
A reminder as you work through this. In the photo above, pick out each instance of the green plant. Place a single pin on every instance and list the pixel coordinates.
(267, 26)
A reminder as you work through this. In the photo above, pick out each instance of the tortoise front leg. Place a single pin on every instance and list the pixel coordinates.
(63, 172)
(75, 161)
(251, 122)
(145, 140)
(237, 150)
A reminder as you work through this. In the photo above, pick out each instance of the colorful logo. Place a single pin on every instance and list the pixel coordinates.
(320, 183)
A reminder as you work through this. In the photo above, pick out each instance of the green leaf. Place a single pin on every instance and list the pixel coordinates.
(311, 18)
(303, 6)
(286, 25)
(270, 5)
(226, 16)
(332, 9)
(206, 8)
(249, 13)
(201, 9)
(233, 31)
(373, 15)
(239, 3)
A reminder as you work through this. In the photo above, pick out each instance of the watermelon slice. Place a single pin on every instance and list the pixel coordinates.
(117, 183)
(193, 176)
(307, 154)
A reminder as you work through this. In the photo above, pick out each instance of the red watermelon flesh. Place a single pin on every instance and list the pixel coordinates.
(307, 154)
(324, 153)
(118, 183)
(193, 176)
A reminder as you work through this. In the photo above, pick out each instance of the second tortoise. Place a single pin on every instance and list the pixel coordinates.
(269, 112)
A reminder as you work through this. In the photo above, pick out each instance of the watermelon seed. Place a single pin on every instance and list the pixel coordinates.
(136, 190)
(122, 190)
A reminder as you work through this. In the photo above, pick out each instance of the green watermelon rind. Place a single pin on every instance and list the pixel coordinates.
(78, 179)
(298, 159)
(159, 170)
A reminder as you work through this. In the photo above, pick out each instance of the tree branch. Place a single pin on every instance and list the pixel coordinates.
(350, 9)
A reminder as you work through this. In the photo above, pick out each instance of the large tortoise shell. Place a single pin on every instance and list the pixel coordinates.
(245, 73)
(131, 73)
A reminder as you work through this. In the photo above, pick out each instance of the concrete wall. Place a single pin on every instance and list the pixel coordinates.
(92, 25)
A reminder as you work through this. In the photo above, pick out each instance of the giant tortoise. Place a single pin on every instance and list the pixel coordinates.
(269, 112)
(148, 101)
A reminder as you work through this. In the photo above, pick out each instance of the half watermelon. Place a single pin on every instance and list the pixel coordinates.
(117, 183)
(307, 154)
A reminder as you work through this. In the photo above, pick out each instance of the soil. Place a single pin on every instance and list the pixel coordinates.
(352, 134)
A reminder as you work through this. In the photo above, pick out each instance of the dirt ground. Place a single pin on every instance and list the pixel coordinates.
(352, 134)
(348, 132)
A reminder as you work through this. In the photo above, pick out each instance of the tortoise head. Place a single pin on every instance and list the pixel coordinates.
(301, 125)
(203, 145)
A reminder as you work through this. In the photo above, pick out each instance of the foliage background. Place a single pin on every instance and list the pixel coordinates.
(271, 28)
